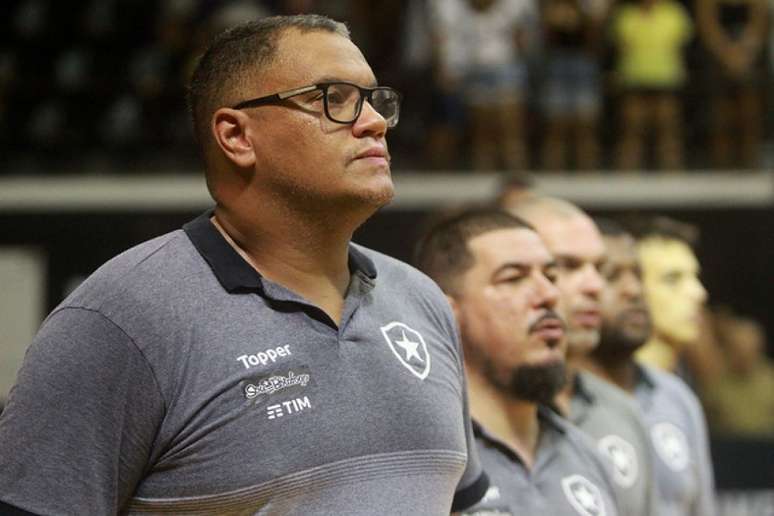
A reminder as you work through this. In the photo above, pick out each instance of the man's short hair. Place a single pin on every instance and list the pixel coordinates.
(443, 253)
(236, 57)
(611, 228)
(666, 228)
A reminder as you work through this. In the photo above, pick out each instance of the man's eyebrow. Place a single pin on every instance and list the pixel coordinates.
(333, 78)
(510, 265)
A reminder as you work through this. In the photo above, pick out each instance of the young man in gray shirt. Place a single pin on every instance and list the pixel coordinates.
(255, 362)
(672, 412)
(601, 410)
(499, 278)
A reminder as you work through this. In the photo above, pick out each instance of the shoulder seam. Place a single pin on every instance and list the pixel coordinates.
(134, 343)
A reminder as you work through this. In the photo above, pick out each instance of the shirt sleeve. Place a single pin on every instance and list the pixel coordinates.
(77, 433)
(474, 482)
(705, 500)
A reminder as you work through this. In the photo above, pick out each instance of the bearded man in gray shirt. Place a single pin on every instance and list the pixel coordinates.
(672, 412)
(499, 278)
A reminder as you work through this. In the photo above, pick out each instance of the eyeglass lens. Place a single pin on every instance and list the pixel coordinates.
(343, 101)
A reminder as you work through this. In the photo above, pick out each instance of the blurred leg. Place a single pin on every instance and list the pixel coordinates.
(483, 141)
(510, 133)
(554, 147)
(586, 142)
(633, 117)
(750, 124)
(720, 140)
(669, 140)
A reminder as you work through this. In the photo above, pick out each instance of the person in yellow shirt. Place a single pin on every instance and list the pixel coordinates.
(649, 37)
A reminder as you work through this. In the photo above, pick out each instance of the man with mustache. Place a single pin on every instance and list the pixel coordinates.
(500, 280)
(601, 410)
(671, 411)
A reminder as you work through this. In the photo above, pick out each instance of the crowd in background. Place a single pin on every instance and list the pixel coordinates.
(488, 84)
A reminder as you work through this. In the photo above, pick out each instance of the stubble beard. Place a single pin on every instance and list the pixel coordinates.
(617, 344)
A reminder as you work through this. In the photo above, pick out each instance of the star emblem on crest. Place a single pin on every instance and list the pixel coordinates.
(585, 497)
(623, 456)
(409, 347)
(671, 445)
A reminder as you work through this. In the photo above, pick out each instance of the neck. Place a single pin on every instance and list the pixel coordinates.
(512, 421)
(306, 254)
(563, 399)
(658, 352)
(620, 371)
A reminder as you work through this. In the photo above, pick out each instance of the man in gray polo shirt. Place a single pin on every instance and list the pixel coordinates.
(671, 411)
(255, 361)
(500, 280)
(603, 411)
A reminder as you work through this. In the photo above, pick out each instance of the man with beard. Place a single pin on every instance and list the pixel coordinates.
(499, 278)
(671, 411)
(600, 409)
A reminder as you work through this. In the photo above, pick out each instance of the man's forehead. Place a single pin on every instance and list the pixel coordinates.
(575, 237)
(318, 55)
(620, 247)
(664, 254)
(509, 245)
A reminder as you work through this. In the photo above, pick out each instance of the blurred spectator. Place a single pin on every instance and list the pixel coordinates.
(733, 32)
(740, 401)
(571, 96)
(481, 54)
(513, 189)
(673, 291)
(649, 37)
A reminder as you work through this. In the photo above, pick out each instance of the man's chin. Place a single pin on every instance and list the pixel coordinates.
(582, 341)
(537, 383)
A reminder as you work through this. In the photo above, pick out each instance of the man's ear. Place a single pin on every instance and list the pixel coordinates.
(230, 130)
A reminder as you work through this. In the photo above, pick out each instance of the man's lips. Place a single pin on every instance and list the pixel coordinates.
(587, 318)
(549, 327)
(638, 316)
(376, 152)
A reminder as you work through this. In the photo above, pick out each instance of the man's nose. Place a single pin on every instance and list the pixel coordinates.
(369, 123)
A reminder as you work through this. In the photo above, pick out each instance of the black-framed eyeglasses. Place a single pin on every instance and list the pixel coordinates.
(342, 101)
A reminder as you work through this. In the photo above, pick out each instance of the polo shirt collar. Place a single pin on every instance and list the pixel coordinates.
(232, 271)
(549, 421)
(581, 390)
(545, 415)
(644, 378)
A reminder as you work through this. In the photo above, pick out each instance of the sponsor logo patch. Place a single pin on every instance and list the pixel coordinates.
(287, 408)
(289, 382)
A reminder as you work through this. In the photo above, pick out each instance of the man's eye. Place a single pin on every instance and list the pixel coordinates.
(569, 265)
(336, 98)
(673, 278)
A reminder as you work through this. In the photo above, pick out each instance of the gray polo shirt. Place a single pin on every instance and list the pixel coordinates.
(678, 430)
(177, 379)
(612, 419)
(569, 477)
